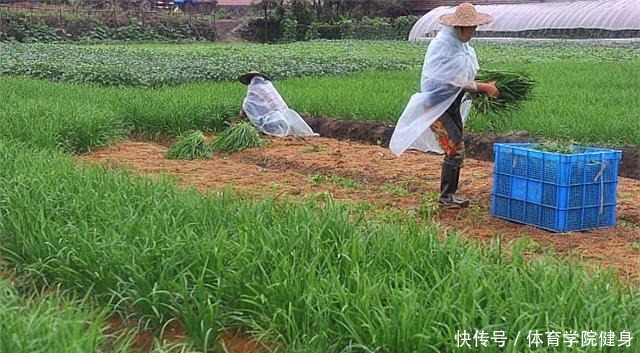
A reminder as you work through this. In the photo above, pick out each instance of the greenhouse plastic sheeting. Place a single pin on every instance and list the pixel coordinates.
(608, 15)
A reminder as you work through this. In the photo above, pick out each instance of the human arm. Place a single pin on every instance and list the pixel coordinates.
(241, 116)
(438, 92)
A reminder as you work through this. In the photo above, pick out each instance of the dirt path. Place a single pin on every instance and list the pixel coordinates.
(311, 168)
(233, 35)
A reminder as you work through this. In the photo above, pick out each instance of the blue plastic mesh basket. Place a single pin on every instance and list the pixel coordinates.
(557, 192)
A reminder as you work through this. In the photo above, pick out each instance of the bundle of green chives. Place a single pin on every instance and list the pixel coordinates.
(190, 145)
(554, 147)
(237, 138)
(514, 89)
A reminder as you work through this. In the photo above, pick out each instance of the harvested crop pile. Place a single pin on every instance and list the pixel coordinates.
(237, 138)
(190, 145)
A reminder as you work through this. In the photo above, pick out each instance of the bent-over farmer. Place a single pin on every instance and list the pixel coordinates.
(266, 109)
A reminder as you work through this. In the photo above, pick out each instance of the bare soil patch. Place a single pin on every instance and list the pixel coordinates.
(479, 145)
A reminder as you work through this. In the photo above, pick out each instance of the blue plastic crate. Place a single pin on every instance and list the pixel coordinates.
(558, 192)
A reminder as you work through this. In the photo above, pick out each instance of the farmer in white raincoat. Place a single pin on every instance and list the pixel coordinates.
(433, 120)
(266, 109)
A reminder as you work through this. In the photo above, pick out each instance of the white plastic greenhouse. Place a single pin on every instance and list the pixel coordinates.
(564, 19)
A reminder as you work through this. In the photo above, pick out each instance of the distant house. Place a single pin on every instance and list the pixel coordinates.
(238, 6)
(242, 3)
(420, 7)
(237, 3)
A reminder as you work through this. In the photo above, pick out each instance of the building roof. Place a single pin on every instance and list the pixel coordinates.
(609, 15)
(422, 6)
(241, 2)
(237, 2)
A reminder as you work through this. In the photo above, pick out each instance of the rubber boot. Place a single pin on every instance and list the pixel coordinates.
(449, 184)
(462, 201)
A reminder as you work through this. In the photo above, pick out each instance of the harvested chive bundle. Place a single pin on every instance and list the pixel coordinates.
(237, 138)
(514, 89)
(191, 145)
(554, 147)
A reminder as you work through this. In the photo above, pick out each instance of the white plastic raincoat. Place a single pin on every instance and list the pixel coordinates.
(268, 112)
(450, 65)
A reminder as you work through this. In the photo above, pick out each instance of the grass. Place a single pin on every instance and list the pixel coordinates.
(51, 323)
(525, 244)
(51, 320)
(567, 95)
(79, 117)
(429, 206)
(343, 182)
(313, 278)
(395, 189)
(627, 224)
(314, 149)
(568, 105)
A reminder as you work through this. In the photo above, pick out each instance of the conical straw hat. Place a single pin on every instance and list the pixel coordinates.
(246, 77)
(465, 16)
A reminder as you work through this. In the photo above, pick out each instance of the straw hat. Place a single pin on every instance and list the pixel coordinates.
(465, 16)
(246, 77)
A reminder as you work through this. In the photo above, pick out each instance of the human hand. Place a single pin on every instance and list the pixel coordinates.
(241, 115)
(491, 90)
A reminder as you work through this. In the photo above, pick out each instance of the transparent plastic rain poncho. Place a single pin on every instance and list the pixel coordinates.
(268, 112)
(450, 65)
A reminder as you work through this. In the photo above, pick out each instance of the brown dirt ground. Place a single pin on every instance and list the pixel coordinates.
(290, 166)
(478, 145)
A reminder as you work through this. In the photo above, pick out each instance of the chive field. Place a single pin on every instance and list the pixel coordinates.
(312, 278)
(571, 101)
(298, 276)
(52, 324)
